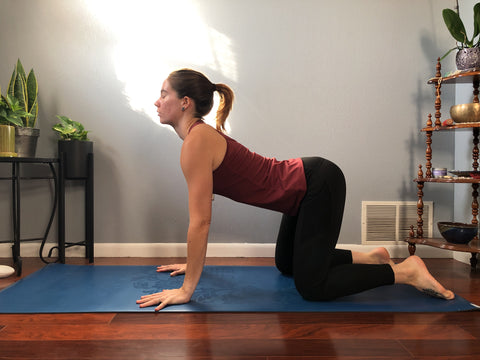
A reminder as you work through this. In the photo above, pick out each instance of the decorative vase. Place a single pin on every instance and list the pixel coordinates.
(26, 141)
(468, 58)
(7, 141)
(75, 156)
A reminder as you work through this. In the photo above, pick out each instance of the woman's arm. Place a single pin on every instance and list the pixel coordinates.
(196, 161)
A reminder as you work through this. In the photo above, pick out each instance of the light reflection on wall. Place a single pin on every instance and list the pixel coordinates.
(154, 37)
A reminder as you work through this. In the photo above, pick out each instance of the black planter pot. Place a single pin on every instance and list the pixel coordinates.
(75, 156)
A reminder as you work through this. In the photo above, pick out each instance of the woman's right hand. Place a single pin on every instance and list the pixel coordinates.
(176, 269)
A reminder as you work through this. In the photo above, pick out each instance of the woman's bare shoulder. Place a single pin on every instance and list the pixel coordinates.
(203, 132)
(204, 140)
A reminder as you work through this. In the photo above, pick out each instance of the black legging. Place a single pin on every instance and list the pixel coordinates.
(306, 242)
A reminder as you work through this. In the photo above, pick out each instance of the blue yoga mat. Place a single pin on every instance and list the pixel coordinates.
(60, 288)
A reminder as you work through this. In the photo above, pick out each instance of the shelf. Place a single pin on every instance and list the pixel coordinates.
(471, 77)
(452, 127)
(472, 247)
(467, 77)
(448, 181)
(27, 160)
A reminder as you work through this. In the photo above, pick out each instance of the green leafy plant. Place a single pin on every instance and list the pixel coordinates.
(25, 89)
(11, 111)
(69, 129)
(457, 29)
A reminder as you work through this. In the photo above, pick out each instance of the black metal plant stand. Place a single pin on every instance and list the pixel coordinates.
(58, 202)
(88, 185)
(16, 178)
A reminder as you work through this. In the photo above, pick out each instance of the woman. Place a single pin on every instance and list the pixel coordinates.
(310, 192)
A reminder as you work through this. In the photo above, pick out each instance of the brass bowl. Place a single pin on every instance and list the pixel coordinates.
(464, 113)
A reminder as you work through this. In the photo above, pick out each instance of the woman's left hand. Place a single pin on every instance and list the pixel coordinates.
(164, 298)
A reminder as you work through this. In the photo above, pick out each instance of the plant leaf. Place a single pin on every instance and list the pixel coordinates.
(476, 20)
(447, 53)
(15, 121)
(20, 70)
(32, 98)
(70, 129)
(455, 26)
(12, 102)
(20, 93)
(64, 119)
(32, 89)
(11, 84)
(10, 113)
(31, 121)
(64, 129)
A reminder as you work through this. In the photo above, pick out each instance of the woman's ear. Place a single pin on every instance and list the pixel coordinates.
(187, 102)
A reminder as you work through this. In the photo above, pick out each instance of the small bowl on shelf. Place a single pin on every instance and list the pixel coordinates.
(465, 113)
(457, 233)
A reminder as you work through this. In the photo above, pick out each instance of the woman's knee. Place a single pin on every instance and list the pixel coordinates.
(284, 266)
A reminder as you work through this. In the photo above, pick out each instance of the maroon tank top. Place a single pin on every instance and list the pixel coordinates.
(249, 178)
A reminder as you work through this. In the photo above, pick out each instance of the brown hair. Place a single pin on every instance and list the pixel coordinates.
(195, 85)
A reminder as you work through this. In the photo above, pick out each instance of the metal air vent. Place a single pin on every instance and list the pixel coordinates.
(386, 222)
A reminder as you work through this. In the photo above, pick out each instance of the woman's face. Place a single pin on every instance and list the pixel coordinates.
(169, 106)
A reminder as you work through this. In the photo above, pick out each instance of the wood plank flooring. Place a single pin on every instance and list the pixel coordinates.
(241, 336)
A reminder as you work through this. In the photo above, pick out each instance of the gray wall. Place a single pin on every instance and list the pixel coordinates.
(344, 79)
(463, 139)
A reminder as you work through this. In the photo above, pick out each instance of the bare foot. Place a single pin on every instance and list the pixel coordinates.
(412, 271)
(378, 255)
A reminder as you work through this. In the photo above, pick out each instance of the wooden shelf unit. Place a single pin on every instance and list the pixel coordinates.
(416, 235)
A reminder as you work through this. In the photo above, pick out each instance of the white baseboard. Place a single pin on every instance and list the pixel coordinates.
(214, 250)
(463, 257)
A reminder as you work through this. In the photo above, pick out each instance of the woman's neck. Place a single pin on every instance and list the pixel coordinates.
(185, 126)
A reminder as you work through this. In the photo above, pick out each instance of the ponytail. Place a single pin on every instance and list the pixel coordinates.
(225, 106)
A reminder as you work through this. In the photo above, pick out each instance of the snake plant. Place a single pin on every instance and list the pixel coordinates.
(25, 89)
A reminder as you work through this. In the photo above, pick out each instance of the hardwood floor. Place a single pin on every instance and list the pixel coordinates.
(241, 336)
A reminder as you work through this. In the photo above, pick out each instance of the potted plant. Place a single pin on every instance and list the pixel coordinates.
(468, 55)
(74, 146)
(11, 114)
(25, 89)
